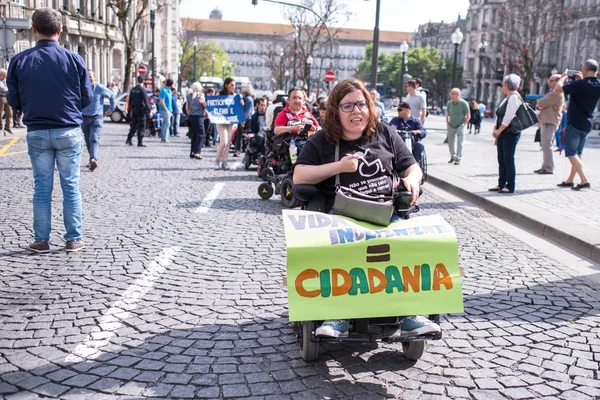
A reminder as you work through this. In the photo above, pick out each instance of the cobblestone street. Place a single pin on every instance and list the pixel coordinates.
(179, 296)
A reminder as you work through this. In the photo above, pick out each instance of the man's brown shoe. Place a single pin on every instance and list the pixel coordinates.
(39, 247)
(74, 245)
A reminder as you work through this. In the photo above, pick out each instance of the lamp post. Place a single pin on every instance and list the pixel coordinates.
(287, 75)
(223, 69)
(195, 49)
(309, 61)
(403, 50)
(482, 47)
(443, 100)
(280, 68)
(295, 52)
(375, 47)
(152, 25)
(457, 38)
(213, 64)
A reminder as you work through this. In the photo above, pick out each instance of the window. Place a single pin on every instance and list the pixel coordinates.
(475, 22)
(486, 17)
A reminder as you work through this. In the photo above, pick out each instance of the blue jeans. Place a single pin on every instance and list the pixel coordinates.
(175, 124)
(574, 141)
(61, 147)
(164, 129)
(92, 127)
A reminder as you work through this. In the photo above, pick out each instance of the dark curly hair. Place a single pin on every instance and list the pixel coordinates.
(333, 125)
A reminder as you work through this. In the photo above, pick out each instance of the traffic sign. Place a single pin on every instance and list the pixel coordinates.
(142, 69)
(330, 76)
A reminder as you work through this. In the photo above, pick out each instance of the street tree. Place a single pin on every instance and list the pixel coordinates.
(202, 54)
(527, 27)
(311, 38)
(129, 15)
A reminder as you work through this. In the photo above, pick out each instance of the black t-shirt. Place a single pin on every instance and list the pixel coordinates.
(382, 154)
(584, 94)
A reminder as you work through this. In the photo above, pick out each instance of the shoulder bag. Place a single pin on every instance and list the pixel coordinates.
(525, 117)
(376, 209)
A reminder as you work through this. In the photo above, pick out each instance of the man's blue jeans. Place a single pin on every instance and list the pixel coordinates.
(61, 147)
(164, 129)
(92, 127)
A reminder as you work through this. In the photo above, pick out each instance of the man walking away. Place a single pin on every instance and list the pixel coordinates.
(53, 123)
(4, 103)
(457, 116)
(138, 108)
(165, 108)
(550, 115)
(93, 118)
(418, 106)
(584, 93)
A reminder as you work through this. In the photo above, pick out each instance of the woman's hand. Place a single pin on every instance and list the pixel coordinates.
(496, 133)
(412, 185)
(349, 163)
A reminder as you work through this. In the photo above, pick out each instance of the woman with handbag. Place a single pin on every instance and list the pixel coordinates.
(506, 137)
(357, 153)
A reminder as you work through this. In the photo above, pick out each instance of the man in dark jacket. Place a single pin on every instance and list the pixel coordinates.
(138, 109)
(258, 125)
(404, 122)
(53, 121)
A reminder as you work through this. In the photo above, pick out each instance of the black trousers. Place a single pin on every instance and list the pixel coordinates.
(138, 124)
(196, 125)
(506, 145)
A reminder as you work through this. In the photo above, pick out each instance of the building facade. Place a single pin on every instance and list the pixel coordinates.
(253, 49)
(91, 29)
(439, 36)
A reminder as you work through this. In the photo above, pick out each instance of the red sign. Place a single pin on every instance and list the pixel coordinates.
(142, 69)
(330, 76)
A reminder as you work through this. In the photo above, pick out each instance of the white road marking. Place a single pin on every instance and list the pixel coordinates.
(113, 319)
(208, 200)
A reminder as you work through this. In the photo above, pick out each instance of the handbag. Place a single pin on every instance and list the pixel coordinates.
(538, 136)
(525, 117)
(376, 209)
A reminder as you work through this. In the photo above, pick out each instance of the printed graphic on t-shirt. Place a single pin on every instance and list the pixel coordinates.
(372, 174)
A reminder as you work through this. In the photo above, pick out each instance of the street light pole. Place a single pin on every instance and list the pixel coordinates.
(482, 47)
(295, 51)
(152, 25)
(403, 50)
(213, 64)
(457, 38)
(280, 68)
(443, 100)
(375, 47)
(223, 69)
(309, 61)
(195, 49)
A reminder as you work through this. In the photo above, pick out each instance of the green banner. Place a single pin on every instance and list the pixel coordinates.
(339, 268)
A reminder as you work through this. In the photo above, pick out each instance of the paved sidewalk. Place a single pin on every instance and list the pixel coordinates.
(567, 217)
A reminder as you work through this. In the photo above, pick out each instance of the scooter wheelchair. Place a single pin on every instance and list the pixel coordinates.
(278, 165)
(410, 139)
(363, 330)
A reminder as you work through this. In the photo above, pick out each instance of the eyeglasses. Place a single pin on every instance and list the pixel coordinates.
(348, 107)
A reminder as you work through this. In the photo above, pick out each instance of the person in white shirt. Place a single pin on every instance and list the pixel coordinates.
(418, 105)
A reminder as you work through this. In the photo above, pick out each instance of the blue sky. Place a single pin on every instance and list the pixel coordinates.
(396, 15)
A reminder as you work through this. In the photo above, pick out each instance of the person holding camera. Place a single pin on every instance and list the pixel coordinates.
(583, 89)
(551, 107)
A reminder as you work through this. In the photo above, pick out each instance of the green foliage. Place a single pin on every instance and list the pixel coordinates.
(204, 62)
(421, 62)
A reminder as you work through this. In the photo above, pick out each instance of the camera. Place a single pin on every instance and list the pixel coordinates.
(571, 74)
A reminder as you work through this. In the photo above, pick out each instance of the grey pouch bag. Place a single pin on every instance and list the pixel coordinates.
(375, 209)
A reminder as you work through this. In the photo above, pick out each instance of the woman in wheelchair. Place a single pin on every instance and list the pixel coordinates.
(372, 157)
(404, 122)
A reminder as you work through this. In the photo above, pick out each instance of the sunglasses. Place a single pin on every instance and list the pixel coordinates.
(348, 107)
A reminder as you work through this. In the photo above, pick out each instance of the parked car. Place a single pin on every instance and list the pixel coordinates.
(118, 114)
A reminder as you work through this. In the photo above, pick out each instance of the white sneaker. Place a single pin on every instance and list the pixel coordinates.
(218, 165)
(225, 166)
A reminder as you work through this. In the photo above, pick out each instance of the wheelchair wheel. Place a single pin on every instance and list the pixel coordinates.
(309, 351)
(247, 161)
(287, 196)
(423, 165)
(413, 350)
(265, 191)
(265, 172)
